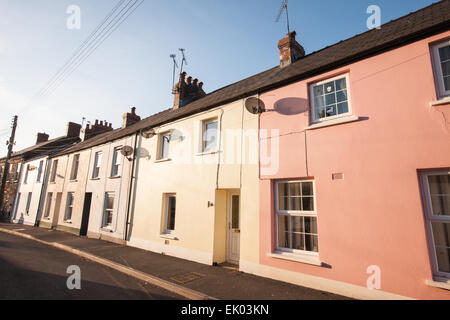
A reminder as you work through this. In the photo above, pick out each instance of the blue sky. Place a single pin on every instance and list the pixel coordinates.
(225, 42)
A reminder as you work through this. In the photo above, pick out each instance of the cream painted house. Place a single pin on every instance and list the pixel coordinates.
(196, 190)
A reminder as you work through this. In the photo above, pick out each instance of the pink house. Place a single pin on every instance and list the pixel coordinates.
(356, 196)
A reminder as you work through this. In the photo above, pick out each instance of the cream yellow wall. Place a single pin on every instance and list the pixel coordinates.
(193, 177)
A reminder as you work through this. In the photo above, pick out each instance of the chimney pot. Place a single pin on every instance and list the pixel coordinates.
(41, 137)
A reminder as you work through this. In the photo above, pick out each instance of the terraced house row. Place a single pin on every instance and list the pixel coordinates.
(330, 170)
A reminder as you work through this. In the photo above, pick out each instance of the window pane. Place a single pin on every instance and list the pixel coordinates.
(441, 234)
(110, 201)
(331, 111)
(444, 53)
(307, 188)
(319, 102)
(441, 205)
(440, 194)
(447, 83)
(298, 242)
(341, 96)
(318, 90)
(445, 68)
(342, 108)
(294, 189)
(308, 203)
(297, 224)
(311, 243)
(330, 99)
(296, 204)
(341, 84)
(322, 113)
(235, 212)
(329, 87)
(210, 136)
(311, 225)
(282, 189)
(171, 213)
(443, 259)
(283, 223)
(283, 203)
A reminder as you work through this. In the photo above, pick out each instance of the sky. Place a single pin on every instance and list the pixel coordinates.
(225, 42)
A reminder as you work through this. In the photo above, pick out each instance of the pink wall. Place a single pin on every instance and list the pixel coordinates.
(374, 216)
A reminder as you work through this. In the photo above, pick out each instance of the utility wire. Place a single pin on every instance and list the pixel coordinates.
(89, 46)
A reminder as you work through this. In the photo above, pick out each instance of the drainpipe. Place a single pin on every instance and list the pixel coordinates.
(130, 187)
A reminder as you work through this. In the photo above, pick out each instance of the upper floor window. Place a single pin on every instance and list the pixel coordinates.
(441, 59)
(209, 135)
(54, 171)
(296, 217)
(39, 173)
(330, 99)
(164, 145)
(97, 165)
(16, 174)
(117, 160)
(436, 191)
(75, 163)
(25, 179)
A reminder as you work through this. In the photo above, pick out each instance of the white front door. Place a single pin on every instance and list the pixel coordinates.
(233, 224)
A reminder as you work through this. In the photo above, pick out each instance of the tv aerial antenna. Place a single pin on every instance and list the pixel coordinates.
(284, 7)
(175, 66)
(183, 61)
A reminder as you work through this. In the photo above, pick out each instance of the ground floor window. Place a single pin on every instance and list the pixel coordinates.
(27, 208)
(170, 205)
(296, 217)
(109, 210)
(48, 205)
(436, 191)
(69, 207)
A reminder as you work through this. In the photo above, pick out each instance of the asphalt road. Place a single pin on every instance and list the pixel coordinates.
(30, 270)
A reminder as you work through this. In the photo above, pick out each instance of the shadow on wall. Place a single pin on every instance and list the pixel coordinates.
(291, 106)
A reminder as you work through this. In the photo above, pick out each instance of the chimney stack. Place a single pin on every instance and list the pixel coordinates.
(290, 50)
(95, 129)
(73, 130)
(42, 137)
(130, 118)
(187, 90)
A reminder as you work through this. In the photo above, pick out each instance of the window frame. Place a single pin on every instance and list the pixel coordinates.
(312, 105)
(161, 145)
(165, 229)
(54, 171)
(66, 218)
(75, 167)
(430, 218)
(48, 204)
(97, 165)
(437, 69)
(28, 204)
(106, 210)
(294, 213)
(40, 169)
(204, 129)
(116, 162)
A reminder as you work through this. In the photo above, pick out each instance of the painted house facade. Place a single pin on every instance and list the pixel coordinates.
(196, 189)
(361, 205)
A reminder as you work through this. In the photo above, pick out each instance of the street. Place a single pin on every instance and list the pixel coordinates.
(30, 270)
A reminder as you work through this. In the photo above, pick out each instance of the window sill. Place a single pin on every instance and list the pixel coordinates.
(206, 153)
(162, 160)
(439, 283)
(68, 221)
(114, 177)
(168, 236)
(105, 229)
(313, 260)
(95, 179)
(332, 122)
(75, 180)
(440, 102)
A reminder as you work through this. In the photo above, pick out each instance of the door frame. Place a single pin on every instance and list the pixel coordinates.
(230, 231)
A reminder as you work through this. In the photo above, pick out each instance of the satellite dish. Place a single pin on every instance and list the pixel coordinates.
(254, 105)
(149, 134)
(126, 151)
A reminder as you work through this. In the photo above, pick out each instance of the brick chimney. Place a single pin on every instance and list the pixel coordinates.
(95, 129)
(130, 118)
(187, 90)
(73, 130)
(290, 50)
(41, 137)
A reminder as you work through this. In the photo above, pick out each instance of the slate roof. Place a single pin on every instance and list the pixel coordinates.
(407, 29)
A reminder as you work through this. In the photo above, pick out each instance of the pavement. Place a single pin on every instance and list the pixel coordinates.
(33, 271)
(182, 278)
